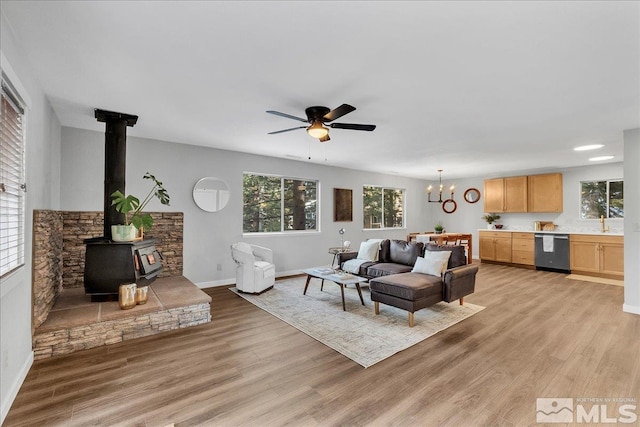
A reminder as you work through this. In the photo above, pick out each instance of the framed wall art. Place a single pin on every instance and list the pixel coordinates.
(342, 204)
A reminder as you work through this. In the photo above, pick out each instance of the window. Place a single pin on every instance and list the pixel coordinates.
(12, 185)
(599, 198)
(273, 204)
(383, 207)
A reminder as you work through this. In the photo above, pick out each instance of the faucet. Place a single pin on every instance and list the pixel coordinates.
(602, 228)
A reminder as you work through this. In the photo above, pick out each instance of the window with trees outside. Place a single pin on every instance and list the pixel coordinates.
(12, 186)
(599, 198)
(274, 204)
(383, 207)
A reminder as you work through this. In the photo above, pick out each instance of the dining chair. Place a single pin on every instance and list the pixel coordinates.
(412, 236)
(465, 240)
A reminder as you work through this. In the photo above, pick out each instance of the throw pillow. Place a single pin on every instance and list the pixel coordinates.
(433, 263)
(369, 250)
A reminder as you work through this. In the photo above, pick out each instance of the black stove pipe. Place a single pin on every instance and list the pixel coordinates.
(115, 159)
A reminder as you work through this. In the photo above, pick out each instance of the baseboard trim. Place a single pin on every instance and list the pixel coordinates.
(7, 401)
(630, 309)
(227, 282)
(215, 283)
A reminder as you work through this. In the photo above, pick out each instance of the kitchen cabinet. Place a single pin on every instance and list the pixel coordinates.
(505, 194)
(522, 248)
(597, 255)
(494, 195)
(495, 246)
(544, 193)
(533, 193)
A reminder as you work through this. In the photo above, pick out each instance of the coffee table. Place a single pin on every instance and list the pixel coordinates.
(340, 279)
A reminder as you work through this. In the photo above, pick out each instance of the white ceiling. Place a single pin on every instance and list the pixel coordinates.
(474, 88)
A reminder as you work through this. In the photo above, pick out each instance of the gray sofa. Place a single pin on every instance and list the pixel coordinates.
(392, 282)
(394, 256)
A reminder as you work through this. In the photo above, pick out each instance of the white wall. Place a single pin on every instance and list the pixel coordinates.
(208, 236)
(632, 221)
(43, 181)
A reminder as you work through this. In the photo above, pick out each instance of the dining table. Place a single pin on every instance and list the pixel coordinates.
(463, 239)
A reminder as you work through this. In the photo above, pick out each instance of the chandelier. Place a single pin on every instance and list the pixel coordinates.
(440, 188)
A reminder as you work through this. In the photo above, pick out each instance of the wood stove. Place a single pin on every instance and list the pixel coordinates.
(109, 264)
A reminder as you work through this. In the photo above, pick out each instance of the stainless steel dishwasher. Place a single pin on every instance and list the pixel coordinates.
(552, 252)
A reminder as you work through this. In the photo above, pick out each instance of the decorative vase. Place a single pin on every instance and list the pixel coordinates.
(141, 295)
(489, 226)
(123, 233)
(127, 296)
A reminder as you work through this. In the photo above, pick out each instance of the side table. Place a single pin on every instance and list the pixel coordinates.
(335, 252)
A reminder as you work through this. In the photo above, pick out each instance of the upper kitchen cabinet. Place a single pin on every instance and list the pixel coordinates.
(505, 194)
(494, 195)
(534, 193)
(545, 193)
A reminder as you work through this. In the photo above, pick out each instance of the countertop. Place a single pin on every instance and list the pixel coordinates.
(592, 233)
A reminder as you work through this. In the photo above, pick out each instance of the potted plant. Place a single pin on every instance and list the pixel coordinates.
(439, 228)
(490, 218)
(132, 209)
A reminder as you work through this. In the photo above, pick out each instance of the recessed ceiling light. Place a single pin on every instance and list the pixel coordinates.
(588, 147)
(600, 158)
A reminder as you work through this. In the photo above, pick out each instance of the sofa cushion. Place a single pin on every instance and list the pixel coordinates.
(369, 250)
(403, 252)
(385, 269)
(365, 267)
(408, 286)
(457, 257)
(385, 251)
(433, 263)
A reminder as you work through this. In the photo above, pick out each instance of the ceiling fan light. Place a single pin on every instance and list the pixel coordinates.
(316, 130)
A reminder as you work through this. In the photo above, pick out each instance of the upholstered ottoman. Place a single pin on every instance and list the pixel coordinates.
(408, 291)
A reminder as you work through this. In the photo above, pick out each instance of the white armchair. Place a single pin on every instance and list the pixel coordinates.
(256, 272)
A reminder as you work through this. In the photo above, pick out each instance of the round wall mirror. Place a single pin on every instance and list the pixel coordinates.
(211, 194)
(449, 206)
(472, 195)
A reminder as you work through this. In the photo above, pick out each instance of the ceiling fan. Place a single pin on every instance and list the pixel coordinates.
(318, 117)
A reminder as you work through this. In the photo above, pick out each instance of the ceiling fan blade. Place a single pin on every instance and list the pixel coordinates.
(286, 130)
(324, 138)
(352, 126)
(338, 112)
(289, 116)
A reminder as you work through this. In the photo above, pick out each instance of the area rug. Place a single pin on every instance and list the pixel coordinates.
(596, 279)
(356, 333)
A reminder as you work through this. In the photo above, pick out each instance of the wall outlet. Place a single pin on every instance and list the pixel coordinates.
(219, 267)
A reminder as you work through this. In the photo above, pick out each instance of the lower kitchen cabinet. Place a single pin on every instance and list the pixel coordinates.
(495, 246)
(590, 254)
(597, 255)
(522, 248)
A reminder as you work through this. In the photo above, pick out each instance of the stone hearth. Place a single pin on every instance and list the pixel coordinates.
(75, 323)
(65, 319)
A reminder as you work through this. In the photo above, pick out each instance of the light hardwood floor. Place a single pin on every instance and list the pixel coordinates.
(541, 335)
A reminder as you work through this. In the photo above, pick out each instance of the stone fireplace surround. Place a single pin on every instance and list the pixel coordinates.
(58, 251)
(58, 267)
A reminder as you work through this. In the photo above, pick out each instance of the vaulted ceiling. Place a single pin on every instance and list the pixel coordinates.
(474, 88)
